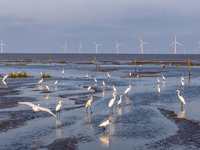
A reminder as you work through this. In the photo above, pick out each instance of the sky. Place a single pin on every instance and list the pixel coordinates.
(44, 26)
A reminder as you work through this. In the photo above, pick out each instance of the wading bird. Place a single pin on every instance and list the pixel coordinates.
(95, 79)
(59, 106)
(4, 77)
(128, 89)
(182, 82)
(112, 101)
(40, 81)
(181, 98)
(163, 77)
(89, 88)
(104, 124)
(89, 102)
(108, 75)
(114, 89)
(158, 89)
(158, 80)
(120, 100)
(56, 82)
(47, 88)
(63, 71)
(37, 108)
(103, 83)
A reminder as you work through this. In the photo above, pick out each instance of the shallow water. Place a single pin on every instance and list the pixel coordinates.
(134, 124)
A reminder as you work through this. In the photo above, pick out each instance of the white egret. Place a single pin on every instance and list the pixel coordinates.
(182, 82)
(158, 89)
(47, 88)
(103, 83)
(40, 81)
(180, 97)
(56, 82)
(114, 89)
(182, 78)
(158, 80)
(120, 100)
(4, 77)
(163, 77)
(63, 71)
(37, 108)
(4, 82)
(108, 75)
(89, 88)
(112, 101)
(89, 102)
(95, 79)
(128, 89)
(104, 124)
(59, 106)
(86, 75)
(137, 76)
(130, 73)
(41, 73)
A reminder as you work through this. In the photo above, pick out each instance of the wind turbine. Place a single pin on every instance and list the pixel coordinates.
(175, 45)
(2, 45)
(96, 46)
(199, 44)
(141, 45)
(65, 47)
(117, 45)
(80, 47)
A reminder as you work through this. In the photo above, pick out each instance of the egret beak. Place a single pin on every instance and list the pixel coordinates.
(176, 90)
(62, 101)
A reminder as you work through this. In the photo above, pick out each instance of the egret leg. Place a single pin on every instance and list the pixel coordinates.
(91, 109)
(181, 106)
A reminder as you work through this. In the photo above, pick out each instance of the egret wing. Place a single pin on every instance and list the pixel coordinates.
(28, 103)
(47, 110)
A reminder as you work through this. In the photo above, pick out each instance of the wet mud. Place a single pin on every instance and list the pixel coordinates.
(187, 136)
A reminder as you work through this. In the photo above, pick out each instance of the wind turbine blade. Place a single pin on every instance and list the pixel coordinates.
(120, 44)
(179, 43)
(140, 40)
(172, 44)
(141, 45)
(98, 44)
(95, 43)
(145, 43)
(116, 42)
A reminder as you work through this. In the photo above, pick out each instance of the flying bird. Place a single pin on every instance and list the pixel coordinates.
(37, 108)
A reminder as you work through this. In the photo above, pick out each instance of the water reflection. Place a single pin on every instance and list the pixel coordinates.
(89, 119)
(181, 114)
(47, 96)
(128, 106)
(56, 88)
(119, 110)
(40, 88)
(111, 125)
(105, 140)
(58, 128)
(103, 93)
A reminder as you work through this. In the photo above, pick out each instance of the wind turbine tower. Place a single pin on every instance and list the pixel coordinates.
(117, 45)
(96, 46)
(80, 47)
(141, 45)
(2, 45)
(175, 45)
(65, 47)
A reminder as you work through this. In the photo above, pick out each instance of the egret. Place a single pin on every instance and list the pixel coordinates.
(112, 101)
(37, 108)
(108, 75)
(114, 89)
(103, 83)
(120, 100)
(181, 98)
(86, 75)
(130, 73)
(5, 77)
(40, 81)
(104, 124)
(41, 73)
(89, 103)
(137, 76)
(59, 106)
(128, 89)
(182, 78)
(158, 89)
(95, 79)
(4, 82)
(89, 88)
(56, 82)
(63, 71)
(47, 88)
(163, 77)
(158, 80)
(182, 82)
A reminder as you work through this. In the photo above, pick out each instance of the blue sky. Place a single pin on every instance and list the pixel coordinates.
(46, 25)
